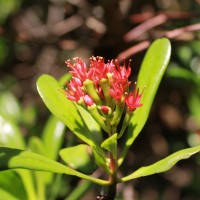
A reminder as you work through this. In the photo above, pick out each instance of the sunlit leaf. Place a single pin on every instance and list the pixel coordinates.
(6, 183)
(79, 157)
(10, 135)
(28, 182)
(110, 145)
(6, 195)
(53, 136)
(67, 112)
(14, 159)
(150, 75)
(92, 125)
(35, 144)
(162, 165)
(9, 106)
(61, 107)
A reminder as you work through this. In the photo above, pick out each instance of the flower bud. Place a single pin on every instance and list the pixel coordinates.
(105, 109)
(88, 100)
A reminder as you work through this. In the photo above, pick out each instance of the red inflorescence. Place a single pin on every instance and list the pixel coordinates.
(116, 75)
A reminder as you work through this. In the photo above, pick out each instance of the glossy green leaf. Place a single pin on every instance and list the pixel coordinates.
(67, 112)
(7, 178)
(35, 144)
(28, 182)
(79, 157)
(10, 135)
(41, 184)
(110, 145)
(162, 165)
(9, 106)
(91, 124)
(53, 136)
(96, 136)
(41, 178)
(6, 195)
(150, 75)
(14, 159)
(61, 107)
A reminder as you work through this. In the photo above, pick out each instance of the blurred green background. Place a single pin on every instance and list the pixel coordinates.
(36, 37)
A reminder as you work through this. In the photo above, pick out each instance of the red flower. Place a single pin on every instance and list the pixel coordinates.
(121, 74)
(133, 99)
(117, 83)
(74, 89)
(100, 69)
(117, 91)
(80, 69)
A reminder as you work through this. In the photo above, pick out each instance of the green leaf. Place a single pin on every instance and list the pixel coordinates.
(110, 145)
(7, 178)
(91, 124)
(179, 72)
(6, 195)
(62, 108)
(79, 157)
(10, 135)
(14, 159)
(28, 182)
(9, 106)
(67, 112)
(150, 75)
(53, 136)
(36, 145)
(162, 165)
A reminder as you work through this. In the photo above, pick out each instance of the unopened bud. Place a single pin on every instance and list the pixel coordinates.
(88, 100)
(105, 109)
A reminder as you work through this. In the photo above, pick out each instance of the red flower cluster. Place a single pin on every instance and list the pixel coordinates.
(99, 82)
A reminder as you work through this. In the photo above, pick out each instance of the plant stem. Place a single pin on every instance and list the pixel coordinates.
(113, 179)
(112, 191)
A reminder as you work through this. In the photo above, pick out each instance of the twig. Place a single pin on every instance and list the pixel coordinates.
(145, 26)
(133, 50)
(179, 31)
(142, 17)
